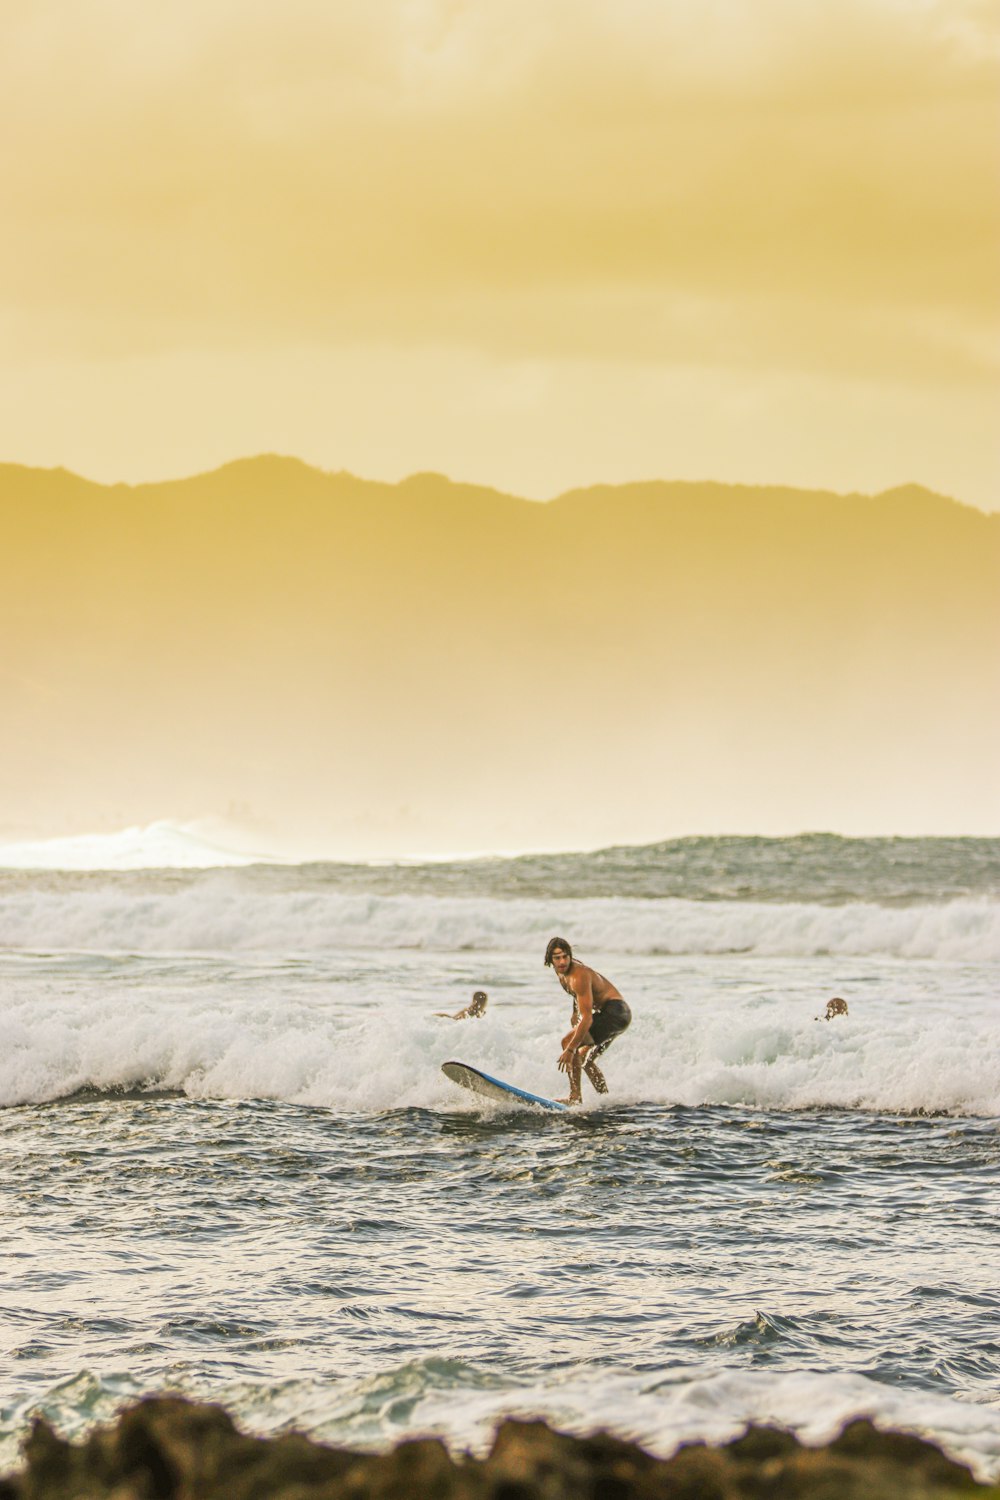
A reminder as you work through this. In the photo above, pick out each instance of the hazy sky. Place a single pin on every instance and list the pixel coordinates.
(533, 243)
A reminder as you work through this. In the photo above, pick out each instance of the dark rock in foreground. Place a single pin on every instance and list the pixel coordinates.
(171, 1449)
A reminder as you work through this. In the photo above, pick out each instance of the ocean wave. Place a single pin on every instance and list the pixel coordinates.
(162, 846)
(313, 1049)
(818, 868)
(661, 1411)
(462, 1404)
(220, 914)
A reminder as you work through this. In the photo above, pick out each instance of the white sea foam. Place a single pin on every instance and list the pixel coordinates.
(666, 1413)
(226, 913)
(317, 1046)
(463, 1405)
(661, 1411)
(161, 845)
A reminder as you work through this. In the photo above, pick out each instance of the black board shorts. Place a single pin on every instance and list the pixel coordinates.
(610, 1021)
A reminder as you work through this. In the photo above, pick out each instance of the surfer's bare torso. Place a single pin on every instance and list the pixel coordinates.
(581, 978)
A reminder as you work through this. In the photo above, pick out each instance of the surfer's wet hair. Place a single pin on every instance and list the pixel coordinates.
(555, 943)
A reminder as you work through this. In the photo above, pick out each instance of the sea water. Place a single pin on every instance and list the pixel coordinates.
(230, 1164)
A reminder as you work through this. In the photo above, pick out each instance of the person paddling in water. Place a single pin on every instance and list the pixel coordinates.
(599, 1015)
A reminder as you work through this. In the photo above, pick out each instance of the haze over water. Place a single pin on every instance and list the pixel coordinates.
(234, 1168)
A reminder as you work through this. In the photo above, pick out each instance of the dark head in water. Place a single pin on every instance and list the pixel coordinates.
(835, 1007)
(554, 943)
(475, 1009)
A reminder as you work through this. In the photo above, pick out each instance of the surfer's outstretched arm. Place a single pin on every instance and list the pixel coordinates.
(580, 1035)
(574, 1044)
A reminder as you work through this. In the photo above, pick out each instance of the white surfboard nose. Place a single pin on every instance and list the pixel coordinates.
(494, 1088)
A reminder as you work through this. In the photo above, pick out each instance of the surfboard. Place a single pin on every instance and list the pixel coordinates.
(494, 1088)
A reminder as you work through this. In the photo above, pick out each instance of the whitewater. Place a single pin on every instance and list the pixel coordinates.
(232, 1165)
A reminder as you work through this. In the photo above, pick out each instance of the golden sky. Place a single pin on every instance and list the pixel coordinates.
(531, 243)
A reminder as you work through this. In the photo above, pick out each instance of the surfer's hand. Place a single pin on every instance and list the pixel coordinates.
(565, 1060)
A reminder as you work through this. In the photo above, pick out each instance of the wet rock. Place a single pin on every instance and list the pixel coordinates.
(167, 1448)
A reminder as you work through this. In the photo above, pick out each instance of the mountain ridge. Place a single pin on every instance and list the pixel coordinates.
(617, 665)
(271, 466)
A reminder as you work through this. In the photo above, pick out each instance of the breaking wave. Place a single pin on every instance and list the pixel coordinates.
(221, 913)
(354, 1047)
(162, 845)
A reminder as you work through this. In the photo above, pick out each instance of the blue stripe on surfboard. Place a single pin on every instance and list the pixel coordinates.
(473, 1079)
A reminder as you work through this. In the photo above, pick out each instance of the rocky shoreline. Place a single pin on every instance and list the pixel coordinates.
(168, 1448)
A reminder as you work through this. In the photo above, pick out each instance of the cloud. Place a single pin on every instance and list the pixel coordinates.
(783, 181)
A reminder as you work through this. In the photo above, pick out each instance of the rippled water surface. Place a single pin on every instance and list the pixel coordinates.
(234, 1167)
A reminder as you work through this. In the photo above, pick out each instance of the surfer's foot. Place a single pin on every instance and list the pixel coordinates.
(570, 1100)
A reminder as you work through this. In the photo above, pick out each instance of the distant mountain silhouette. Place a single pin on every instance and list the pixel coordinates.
(433, 664)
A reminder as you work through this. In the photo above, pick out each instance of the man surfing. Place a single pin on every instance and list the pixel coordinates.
(599, 1015)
